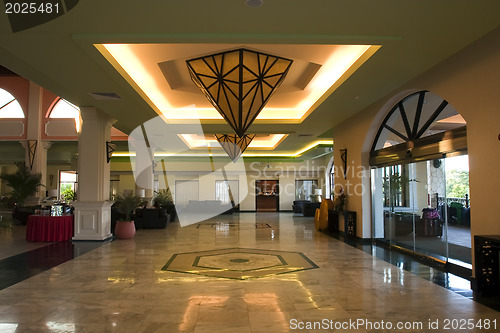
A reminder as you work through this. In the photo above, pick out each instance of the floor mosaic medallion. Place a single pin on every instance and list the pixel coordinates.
(239, 263)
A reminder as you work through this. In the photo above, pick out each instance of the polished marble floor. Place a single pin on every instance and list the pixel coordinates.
(120, 287)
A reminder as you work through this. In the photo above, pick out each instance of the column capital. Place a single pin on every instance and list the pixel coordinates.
(45, 144)
(24, 143)
(91, 113)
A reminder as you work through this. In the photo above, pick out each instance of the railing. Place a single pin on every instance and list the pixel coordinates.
(464, 201)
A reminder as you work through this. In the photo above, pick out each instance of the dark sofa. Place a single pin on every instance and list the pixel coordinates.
(309, 208)
(298, 205)
(151, 218)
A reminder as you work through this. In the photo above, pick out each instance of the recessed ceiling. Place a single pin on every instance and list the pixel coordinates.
(159, 74)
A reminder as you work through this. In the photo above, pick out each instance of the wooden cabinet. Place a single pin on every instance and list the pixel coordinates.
(267, 203)
(487, 265)
(349, 223)
(267, 195)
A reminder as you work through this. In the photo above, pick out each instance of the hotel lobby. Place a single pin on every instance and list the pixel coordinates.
(314, 183)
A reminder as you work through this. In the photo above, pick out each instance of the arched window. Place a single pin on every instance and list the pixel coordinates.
(414, 127)
(9, 106)
(64, 109)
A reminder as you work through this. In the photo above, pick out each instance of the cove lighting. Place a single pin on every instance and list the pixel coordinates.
(295, 154)
(138, 64)
(268, 142)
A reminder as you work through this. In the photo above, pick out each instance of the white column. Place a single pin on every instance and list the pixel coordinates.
(93, 207)
(38, 162)
(34, 114)
(144, 170)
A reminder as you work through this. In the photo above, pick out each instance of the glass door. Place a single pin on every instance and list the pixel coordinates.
(392, 210)
(402, 210)
(430, 225)
(411, 209)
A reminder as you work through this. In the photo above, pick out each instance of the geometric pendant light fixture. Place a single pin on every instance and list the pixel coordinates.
(233, 144)
(238, 83)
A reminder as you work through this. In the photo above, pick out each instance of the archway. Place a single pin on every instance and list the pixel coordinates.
(414, 150)
(64, 109)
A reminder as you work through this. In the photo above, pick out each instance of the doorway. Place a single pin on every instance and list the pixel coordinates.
(267, 195)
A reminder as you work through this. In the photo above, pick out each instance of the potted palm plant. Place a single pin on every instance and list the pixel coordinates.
(23, 184)
(127, 203)
(163, 199)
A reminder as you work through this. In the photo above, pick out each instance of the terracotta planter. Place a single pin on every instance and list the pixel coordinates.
(125, 229)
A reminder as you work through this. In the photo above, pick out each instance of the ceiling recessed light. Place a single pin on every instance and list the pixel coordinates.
(105, 95)
(254, 3)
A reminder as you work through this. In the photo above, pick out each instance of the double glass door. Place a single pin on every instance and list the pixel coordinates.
(411, 210)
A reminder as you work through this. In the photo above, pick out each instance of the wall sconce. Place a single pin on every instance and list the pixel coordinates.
(343, 157)
(32, 151)
(110, 148)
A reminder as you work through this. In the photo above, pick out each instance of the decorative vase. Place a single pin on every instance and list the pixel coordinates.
(125, 229)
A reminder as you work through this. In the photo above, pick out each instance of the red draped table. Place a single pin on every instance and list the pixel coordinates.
(49, 228)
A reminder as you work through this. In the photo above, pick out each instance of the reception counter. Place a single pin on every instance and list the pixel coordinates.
(267, 203)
